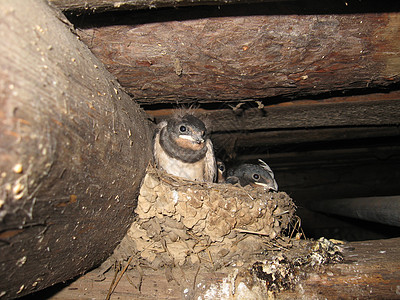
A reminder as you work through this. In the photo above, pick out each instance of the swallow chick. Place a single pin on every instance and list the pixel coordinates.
(182, 148)
(253, 174)
(221, 171)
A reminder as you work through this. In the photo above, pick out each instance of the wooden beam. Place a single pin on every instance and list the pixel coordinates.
(301, 115)
(311, 116)
(242, 126)
(73, 151)
(278, 137)
(219, 58)
(370, 270)
(275, 7)
(94, 6)
(385, 210)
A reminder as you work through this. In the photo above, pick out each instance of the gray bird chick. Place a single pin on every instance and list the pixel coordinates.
(182, 148)
(255, 175)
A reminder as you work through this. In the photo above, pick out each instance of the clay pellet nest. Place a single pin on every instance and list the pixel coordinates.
(181, 222)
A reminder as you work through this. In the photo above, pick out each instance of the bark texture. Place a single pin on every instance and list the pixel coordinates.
(214, 58)
(73, 151)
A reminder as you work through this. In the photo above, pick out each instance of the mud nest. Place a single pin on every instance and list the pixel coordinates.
(180, 222)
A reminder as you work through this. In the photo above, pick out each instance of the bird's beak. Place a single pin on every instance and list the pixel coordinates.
(274, 186)
(197, 139)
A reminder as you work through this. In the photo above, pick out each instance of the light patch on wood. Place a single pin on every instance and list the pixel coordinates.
(178, 67)
(386, 39)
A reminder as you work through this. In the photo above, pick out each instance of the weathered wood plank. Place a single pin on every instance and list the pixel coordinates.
(243, 130)
(241, 125)
(302, 123)
(235, 140)
(110, 5)
(292, 115)
(325, 115)
(222, 58)
(237, 6)
(385, 210)
(73, 151)
(371, 270)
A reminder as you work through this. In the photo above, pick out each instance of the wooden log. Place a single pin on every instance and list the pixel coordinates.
(284, 124)
(385, 210)
(370, 270)
(234, 141)
(242, 127)
(211, 57)
(73, 151)
(94, 6)
(376, 109)
(344, 114)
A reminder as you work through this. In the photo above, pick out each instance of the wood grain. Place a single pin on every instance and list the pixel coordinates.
(211, 58)
(73, 151)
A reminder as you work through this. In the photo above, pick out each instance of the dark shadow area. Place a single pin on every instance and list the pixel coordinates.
(338, 144)
(316, 225)
(49, 292)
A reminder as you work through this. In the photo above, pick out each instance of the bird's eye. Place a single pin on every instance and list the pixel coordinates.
(221, 168)
(182, 128)
(256, 176)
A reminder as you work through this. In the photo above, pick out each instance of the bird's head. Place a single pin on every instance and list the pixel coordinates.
(188, 132)
(254, 175)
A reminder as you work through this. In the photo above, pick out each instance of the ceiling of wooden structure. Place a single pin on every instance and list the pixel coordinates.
(254, 69)
(311, 87)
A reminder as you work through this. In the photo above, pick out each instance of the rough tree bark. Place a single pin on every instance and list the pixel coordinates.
(73, 150)
(245, 57)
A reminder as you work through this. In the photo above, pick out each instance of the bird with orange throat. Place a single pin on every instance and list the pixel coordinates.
(183, 148)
